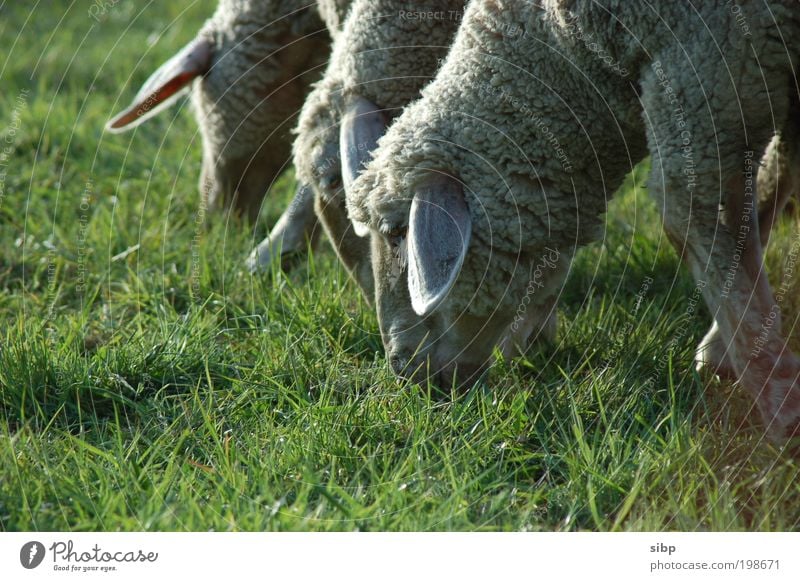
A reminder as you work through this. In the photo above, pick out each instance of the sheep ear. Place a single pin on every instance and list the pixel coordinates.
(362, 125)
(439, 229)
(164, 86)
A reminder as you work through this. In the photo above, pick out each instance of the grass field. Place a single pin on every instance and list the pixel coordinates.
(148, 383)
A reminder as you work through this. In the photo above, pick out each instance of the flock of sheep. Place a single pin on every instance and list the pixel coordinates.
(457, 154)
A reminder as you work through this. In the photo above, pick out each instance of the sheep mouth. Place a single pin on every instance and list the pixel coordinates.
(444, 375)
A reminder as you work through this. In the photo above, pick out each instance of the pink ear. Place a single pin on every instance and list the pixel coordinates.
(439, 229)
(363, 123)
(165, 85)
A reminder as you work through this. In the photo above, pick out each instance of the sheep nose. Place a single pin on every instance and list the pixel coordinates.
(404, 362)
(398, 364)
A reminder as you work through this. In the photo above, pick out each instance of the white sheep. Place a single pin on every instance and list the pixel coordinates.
(383, 57)
(487, 185)
(254, 61)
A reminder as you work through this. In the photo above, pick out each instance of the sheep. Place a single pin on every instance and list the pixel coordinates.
(479, 194)
(254, 62)
(380, 61)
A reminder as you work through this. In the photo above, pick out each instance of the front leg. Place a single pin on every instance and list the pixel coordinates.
(727, 260)
(296, 227)
(778, 181)
(352, 250)
(704, 158)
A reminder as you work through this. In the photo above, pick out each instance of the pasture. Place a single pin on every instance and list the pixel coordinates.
(147, 382)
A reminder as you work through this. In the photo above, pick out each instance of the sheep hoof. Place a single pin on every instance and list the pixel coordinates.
(262, 257)
(259, 260)
(711, 358)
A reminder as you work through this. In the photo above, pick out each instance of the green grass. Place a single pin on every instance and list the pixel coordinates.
(146, 383)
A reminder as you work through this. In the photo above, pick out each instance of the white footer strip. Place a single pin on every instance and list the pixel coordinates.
(400, 556)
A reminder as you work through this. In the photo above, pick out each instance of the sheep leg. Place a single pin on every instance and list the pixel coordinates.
(767, 367)
(294, 229)
(298, 225)
(778, 180)
(712, 355)
(352, 250)
(747, 318)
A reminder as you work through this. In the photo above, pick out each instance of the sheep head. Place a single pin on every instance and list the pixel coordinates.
(420, 244)
(449, 289)
(249, 74)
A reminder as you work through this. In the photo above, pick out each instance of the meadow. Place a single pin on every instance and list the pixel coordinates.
(147, 382)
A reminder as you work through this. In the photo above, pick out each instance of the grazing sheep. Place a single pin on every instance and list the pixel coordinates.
(380, 61)
(254, 62)
(479, 194)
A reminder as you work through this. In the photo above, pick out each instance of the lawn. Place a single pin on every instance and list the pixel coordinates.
(148, 383)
